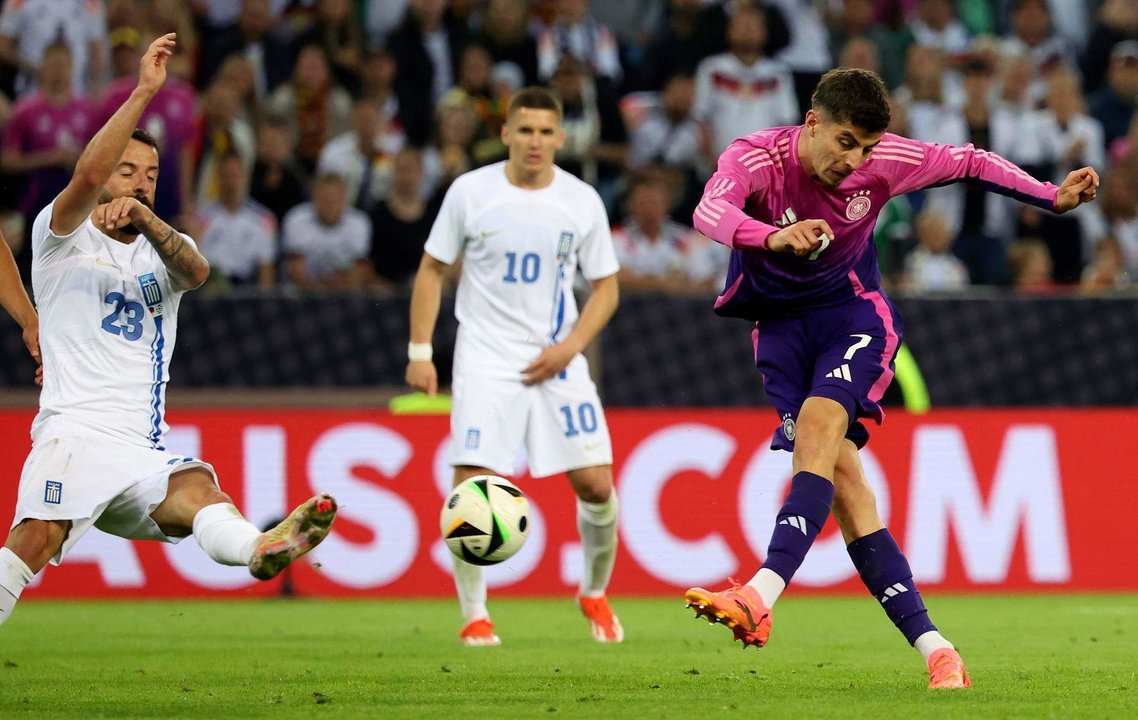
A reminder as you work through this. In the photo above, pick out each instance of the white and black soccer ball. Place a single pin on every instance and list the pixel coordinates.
(485, 520)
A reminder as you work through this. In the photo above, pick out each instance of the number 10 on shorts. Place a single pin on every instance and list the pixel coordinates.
(583, 421)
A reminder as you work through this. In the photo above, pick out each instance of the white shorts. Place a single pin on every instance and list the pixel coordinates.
(560, 421)
(110, 485)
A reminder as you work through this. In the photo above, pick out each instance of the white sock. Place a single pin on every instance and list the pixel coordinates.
(769, 585)
(225, 535)
(930, 642)
(471, 585)
(596, 522)
(14, 575)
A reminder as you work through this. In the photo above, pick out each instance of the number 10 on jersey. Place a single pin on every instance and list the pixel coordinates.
(529, 267)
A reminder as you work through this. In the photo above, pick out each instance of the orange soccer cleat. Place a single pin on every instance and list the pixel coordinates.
(301, 531)
(739, 608)
(946, 671)
(479, 633)
(602, 622)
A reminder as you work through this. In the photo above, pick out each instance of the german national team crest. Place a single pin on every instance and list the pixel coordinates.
(788, 428)
(858, 205)
(151, 293)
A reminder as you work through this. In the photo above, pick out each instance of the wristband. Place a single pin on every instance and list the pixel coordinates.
(420, 352)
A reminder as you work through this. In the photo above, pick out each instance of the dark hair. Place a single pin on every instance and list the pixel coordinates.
(144, 137)
(534, 98)
(853, 95)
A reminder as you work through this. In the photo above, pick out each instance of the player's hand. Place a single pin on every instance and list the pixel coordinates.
(152, 67)
(32, 341)
(1080, 186)
(422, 375)
(801, 238)
(118, 213)
(551, 361)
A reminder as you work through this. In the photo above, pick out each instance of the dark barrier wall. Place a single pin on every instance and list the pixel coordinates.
(997, 350)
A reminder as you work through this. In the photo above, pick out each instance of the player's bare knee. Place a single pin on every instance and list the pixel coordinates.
(592, 485)
(36, 541)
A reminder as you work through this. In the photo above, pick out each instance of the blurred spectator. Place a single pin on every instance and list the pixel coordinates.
(237, 235)
(219, 133)
(1119, 197)
(337, 31)
(252, 36)
(1107, 270)
(326, 243)
(237, 73)
(1032, 33)
(381, 17)
(578, 34)
(426, 47)
(892, 36)
(401, 221)
(362, 157)
(505, 33)
(169, 118)
(1117, 21)
(315, 108)
(219, 14)
(693, 31)
(377, 85)
(931, 266)
(808, 54)
(667, 138)
(1074, 139)
(1030, 262)
(277, 182)
(596, 141)
(476, 80)
(657, 253)
(28, 27)
(1113, 105)
(854, 20)
(174, 16)
(635, 23)
(741, 91)
(47, 129)
(936, 27)
(449, 153)
(861, 53)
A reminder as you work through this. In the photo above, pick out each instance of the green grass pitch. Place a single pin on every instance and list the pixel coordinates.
(1036, 656)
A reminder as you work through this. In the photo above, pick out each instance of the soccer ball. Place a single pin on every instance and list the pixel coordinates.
(485, 519)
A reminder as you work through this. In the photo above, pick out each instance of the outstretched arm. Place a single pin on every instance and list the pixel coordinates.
(742, 172)
(102, 154)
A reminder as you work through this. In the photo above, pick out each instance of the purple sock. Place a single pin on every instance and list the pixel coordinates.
(799, 522)
(885, 572)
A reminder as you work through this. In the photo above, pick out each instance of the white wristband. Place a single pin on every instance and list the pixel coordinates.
(420, 352)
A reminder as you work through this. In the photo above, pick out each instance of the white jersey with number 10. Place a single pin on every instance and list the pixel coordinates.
(520, 251)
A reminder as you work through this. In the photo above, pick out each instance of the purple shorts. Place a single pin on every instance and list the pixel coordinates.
(844, 353)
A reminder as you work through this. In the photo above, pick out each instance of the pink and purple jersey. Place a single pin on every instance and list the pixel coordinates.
(761, 186)
(39, 125)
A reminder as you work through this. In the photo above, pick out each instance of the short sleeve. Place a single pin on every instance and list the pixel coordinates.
(596, 256)
(447, 238)
(47, 247)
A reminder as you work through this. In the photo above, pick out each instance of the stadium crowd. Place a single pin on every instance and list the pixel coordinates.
(309, 142)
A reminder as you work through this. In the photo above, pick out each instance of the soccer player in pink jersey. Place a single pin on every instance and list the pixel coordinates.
(797, 206)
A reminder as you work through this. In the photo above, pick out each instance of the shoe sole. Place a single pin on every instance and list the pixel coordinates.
(308, 532)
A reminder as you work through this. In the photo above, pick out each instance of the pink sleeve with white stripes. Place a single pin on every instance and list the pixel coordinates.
(911, 165)
(744, 170)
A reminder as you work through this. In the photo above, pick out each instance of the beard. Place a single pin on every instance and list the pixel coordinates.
(128, 229)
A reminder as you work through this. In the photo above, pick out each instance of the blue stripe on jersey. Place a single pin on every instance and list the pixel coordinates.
(156, 408)
(558, 319)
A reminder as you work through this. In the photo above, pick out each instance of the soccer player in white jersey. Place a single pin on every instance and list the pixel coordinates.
(108, 304)
(522, 228)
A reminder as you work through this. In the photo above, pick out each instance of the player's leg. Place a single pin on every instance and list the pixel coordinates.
(597, 514)
(569, 433)
(26, 551)
(469, 581)
(193, 504)
(886, 573)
